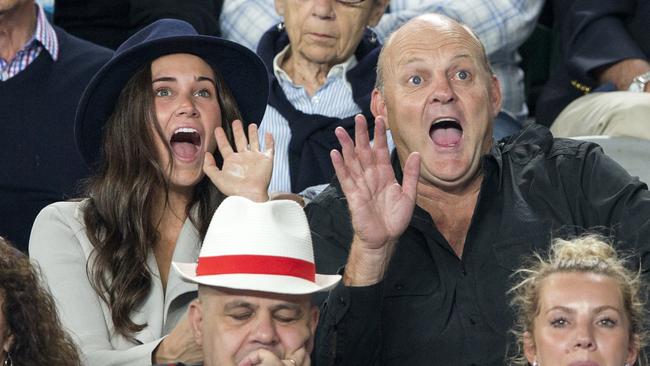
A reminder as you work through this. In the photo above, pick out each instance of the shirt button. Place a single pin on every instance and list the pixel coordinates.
(315, 99)
(399, 287)
(472, 321)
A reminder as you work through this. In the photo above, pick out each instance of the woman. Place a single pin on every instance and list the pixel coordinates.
(159, 103)
(30, 330)
(321, 61)
(582, 306)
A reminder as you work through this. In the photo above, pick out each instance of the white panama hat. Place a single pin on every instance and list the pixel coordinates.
(259, 247)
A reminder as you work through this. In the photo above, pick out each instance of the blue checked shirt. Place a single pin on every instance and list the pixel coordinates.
(502, 26)
(44, 38)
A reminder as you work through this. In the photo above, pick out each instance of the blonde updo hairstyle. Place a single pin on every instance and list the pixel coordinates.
(592, 254)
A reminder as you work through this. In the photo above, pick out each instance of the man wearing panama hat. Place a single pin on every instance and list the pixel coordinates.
(256, 275)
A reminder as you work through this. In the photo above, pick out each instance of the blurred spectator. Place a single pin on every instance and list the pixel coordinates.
(30, 330)
(43, 72)
(109, 23)
(600, 84)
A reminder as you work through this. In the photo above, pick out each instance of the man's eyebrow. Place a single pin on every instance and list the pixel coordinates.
(238, 304)
(410, 60)
(287, 306)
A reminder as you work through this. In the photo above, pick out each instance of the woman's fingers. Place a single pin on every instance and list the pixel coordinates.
(241, 142)
(222, 142)
(254, 141)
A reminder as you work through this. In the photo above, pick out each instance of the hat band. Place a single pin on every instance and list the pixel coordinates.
(256, 264)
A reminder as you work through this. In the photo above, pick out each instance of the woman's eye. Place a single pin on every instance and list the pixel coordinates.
(415, 80)
(203, 93)
(462, 75)
(559, 322)
(163, 92)
(607, 322)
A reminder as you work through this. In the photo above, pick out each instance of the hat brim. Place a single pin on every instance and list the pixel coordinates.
(243, 71)
(258, 282)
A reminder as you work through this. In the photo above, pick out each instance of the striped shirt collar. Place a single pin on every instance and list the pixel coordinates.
(338, 70)
(45, 35)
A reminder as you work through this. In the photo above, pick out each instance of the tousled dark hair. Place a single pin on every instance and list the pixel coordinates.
(124, 194)
(31, 315)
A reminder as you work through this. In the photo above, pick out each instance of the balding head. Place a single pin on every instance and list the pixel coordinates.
(438, 26)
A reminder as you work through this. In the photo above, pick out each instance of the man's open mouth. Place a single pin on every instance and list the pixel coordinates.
(446, 132)
(185, 143)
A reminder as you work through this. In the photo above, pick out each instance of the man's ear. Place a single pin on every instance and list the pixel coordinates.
(196, 320)
(378, 106)
(495, 95)
(530, 351)
(279, 7)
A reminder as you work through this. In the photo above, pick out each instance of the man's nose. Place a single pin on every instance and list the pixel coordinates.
(441, 91)
(265, 331)
(323, 9)
(187, 108)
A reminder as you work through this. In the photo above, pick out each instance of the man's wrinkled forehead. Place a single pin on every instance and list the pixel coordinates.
(427, 32)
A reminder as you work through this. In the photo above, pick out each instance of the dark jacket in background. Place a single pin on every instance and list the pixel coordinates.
(39, 163)
(433, 308)
(593, 34)
(109, 23)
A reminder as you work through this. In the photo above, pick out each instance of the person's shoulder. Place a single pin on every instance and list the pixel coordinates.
(536, 139)
(81, 49)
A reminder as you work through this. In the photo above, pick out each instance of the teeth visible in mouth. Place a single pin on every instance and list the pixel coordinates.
(185, 129)
(186, 134)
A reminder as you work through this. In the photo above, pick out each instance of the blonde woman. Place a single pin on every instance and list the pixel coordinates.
(581, 306)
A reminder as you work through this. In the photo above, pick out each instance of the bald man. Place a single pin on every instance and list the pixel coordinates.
(431, 236)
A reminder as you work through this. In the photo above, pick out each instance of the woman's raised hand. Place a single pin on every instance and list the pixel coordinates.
(245, 172)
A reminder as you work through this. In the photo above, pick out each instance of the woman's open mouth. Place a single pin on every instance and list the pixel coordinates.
(186, 143)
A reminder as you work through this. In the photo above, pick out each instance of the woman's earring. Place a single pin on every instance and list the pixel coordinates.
(535, 363)
(8, 360)
(372, 37)
(280, 26)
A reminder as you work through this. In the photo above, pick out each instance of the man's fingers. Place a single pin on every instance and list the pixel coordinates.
(298, 358)
(349, 155)
(362, 141)
(411, 174)
(382, 155)
(347, 183)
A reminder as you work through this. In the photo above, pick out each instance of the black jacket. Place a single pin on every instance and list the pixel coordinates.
(436, 309)
(593, 34)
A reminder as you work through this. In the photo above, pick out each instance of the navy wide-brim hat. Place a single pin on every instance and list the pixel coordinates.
(244, 73)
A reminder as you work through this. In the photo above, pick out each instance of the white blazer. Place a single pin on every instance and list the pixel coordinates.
(59, 245)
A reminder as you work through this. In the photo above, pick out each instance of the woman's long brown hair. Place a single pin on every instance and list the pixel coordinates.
(31, 316)
(123, 196)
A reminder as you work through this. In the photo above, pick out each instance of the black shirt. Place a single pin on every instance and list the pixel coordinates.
(434, 308)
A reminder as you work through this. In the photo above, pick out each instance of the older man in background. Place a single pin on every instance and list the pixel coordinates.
(43, 71)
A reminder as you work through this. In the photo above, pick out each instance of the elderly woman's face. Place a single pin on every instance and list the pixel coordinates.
(187, 112)
(581, 321)
(326, 31)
